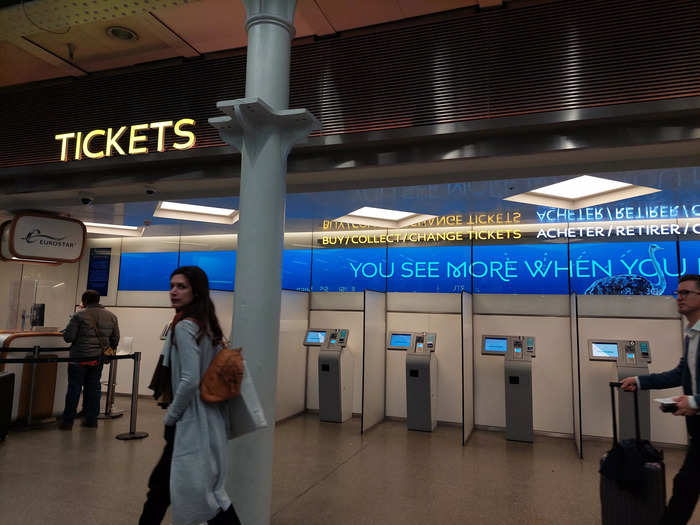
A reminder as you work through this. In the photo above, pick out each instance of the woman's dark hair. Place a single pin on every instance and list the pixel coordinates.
(201, 309)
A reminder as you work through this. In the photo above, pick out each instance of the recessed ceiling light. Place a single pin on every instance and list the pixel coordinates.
(122, 33)
(383, 218)
(380, 213)
(193, 212)
(580, 187)
(121, 230)
(581, 192)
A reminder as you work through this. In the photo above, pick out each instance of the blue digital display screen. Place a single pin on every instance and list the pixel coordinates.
(220, 267)
(98, 270)
(604, 350)
(296, 270)
(400, 340)
(495, 345)
(520, 268)
(147, 271)
(609, 268)
(349, 270)
(429, 269)
(624, 268)
(313, 337)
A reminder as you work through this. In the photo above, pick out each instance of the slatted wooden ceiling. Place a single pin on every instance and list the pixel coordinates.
(559, 55)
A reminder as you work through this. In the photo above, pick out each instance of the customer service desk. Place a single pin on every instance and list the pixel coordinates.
(50, 380)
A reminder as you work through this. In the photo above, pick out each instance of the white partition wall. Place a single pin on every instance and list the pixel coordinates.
(576, 377)
(467, 367)
(145, 326)
(636, 318)
(291, 367)
(429, 312)
(337, 310)
(551, 369)
(374, 360)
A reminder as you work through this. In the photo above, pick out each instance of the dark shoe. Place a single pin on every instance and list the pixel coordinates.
(63, 425)
(80, 414)
(89, 424)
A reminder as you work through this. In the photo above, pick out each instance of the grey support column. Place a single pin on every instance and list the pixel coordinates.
(264, 131)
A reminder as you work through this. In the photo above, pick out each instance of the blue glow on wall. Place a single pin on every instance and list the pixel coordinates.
(690, 257)
(147, 271)
(428, 269)
(520, 268)
(624, 268)
(296, 270)
(220, 267)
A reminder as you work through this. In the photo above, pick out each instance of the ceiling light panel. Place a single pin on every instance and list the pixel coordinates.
(580, 187)
(383, 218)
(121, 230)
(193, 212)
(380, 213)
(581, 192)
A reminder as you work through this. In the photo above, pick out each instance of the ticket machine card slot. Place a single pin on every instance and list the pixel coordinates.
(644, 350)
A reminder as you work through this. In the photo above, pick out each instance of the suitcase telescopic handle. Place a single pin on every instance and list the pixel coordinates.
(613, 386)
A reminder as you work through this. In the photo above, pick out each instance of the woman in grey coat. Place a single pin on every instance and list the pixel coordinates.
(192, 470)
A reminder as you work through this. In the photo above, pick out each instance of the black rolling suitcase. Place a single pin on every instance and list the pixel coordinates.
(7, 394)
(633, 478)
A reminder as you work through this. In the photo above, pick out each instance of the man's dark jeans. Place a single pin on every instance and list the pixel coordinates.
(86, 378)
(686, 488)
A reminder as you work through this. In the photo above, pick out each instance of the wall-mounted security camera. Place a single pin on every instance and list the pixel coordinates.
(86, 198)
(150, 190)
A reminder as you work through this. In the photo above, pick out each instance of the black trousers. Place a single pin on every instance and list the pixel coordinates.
(686, 488)
(158, 497)
(87, 379)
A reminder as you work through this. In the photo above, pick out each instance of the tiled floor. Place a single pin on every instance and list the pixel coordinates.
(324, 473)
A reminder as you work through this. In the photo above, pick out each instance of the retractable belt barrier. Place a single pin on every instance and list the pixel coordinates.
(35, 359)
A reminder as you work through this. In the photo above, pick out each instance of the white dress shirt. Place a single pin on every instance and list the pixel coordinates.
(693, 335)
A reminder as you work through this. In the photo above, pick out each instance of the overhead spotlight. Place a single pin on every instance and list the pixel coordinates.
(122, 33)
(193, 212)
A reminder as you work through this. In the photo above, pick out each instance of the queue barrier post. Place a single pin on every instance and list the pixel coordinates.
(35, 359)
(132, 434)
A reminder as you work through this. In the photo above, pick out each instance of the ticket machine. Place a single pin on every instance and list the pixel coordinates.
(632, 358)
(518, 352)
(421, 377)
(335, 373)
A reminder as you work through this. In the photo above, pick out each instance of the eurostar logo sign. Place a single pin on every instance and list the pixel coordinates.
(42, 238)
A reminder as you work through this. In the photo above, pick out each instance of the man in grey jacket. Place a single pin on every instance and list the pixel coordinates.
(90, 331)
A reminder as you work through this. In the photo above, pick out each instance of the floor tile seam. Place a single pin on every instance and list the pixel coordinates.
(322, 479)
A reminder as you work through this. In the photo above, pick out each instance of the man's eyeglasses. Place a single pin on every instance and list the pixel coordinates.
(684, 293)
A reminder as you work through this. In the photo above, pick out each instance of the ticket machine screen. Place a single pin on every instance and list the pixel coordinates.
(495, 345)
(400, 340)
(604, 350)
(315, 337)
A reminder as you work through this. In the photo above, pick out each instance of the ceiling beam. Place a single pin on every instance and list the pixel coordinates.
(39, 52)
(170, 37)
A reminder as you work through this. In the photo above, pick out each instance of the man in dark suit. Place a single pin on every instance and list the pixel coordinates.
(686, 484)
